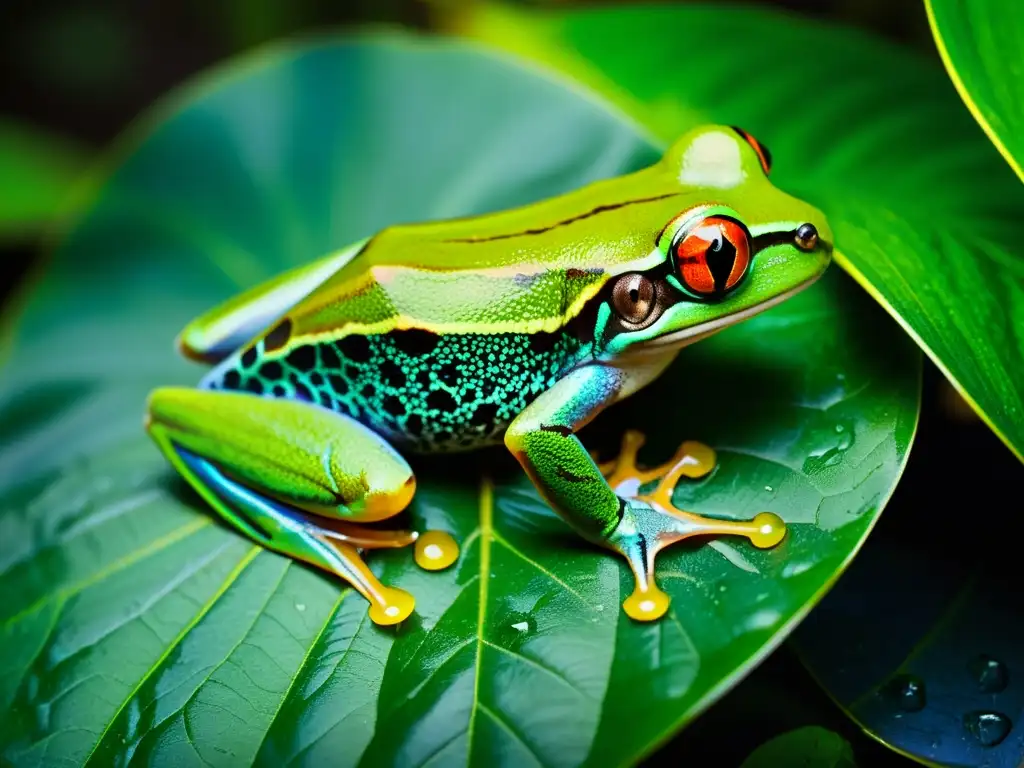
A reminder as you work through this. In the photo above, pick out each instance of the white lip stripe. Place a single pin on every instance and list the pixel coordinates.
(723, 322)
(774, 226)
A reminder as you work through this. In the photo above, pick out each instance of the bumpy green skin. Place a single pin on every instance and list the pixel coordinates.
(555, 459)
(453, 335)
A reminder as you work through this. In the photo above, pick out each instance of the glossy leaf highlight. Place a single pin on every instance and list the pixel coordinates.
(981, 43)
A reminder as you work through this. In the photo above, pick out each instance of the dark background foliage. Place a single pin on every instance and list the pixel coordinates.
(85, 70)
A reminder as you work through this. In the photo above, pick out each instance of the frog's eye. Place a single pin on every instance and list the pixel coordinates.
(762, 151)
(633, 297)
(713, 256)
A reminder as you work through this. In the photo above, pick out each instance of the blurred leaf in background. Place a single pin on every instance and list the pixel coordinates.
(810, 747)
(37, 170)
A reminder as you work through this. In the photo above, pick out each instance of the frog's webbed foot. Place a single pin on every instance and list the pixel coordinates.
(654, 523)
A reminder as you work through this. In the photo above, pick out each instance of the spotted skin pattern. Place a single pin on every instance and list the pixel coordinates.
(424, 391)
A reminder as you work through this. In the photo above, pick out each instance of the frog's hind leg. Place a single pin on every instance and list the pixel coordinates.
(656, 527)
(295, 477)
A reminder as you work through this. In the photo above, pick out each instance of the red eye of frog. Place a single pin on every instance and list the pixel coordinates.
(712, 256)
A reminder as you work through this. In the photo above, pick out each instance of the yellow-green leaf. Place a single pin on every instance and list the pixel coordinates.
(982, 45)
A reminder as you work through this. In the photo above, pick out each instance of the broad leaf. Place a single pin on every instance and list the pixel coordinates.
(809, 747)
(922, 640)
(137, 627)
(36, 173)
(926, 215)
(982, 44)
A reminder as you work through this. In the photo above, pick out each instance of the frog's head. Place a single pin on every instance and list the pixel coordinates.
(737, 246)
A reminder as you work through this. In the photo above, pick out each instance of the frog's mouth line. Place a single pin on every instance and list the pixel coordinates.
(696, 333)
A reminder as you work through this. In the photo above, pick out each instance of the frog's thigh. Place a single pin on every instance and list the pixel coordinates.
(261, 462)
(301, 454)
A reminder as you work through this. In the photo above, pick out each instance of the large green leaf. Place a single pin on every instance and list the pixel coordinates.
(982, 44)
(36, 173)
(134, 626)
(926, 215)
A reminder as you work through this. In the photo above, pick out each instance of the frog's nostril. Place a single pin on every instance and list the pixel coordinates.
(806, 237)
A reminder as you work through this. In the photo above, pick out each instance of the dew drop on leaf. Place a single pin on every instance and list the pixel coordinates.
(991, 674)
(907, 692)
(989, 728)
(829, 451)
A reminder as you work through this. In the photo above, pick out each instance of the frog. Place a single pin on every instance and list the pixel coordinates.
(516, 326)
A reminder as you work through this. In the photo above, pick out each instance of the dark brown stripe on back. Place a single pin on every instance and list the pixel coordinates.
(542, 230)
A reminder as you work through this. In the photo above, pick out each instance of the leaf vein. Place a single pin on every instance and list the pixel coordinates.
(231, 578)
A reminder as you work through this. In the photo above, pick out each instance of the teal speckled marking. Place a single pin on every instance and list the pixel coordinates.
(431, 392)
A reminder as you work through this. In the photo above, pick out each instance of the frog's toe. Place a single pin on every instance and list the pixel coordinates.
(692, 459)
(650, 522)
(646, 529)
(435, 550)
(394, 606)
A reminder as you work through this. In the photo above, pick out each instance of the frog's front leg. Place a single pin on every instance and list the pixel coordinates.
(636, 526)
(295, 477)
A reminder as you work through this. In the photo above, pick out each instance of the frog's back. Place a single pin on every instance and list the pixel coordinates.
(436, 335)
(524, 269)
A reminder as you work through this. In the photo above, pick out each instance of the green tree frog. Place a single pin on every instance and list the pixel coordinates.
(518, 326)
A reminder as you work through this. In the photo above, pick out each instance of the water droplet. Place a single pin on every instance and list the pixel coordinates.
(516, 629)
(991, 674)
(830, 448)
(769, 488)
(300, 607)
(907, 691)
(722, 587)
(646, 605)
(598, 607)
(989, 728)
